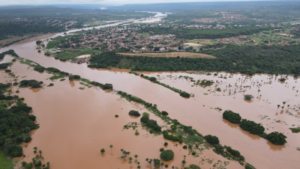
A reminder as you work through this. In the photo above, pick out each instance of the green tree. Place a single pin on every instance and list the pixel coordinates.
(277, 138)
(167, 155)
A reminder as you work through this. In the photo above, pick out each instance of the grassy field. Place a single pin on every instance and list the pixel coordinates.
(171, 54)
(267, 36)
(4, 162)
(70, 54)
(55, 41)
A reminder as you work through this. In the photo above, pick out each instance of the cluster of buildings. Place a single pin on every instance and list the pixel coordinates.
(125, 39)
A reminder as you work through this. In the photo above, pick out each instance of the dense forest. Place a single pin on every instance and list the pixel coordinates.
(19, 29)
(15, 123)
(243, 59)
(204, 33)
(19, 21)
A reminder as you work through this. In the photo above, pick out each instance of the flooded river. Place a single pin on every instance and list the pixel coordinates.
(75, 124)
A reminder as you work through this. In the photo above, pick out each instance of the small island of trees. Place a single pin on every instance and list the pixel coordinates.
(167, 155)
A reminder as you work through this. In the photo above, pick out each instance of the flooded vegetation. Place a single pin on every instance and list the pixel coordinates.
(104, 110)
(267, 91)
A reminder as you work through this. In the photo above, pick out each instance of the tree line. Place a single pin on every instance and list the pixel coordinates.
(244, 59)
(15, 124)
(254, 128)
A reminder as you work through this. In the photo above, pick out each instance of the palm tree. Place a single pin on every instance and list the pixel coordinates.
(102, 150)
(136, 156)
(111, 146)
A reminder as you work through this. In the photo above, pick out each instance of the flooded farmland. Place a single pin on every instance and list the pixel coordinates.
(75, 124)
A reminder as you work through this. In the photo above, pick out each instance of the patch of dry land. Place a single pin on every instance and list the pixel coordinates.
(83, 56)
(171, 54)
(192, 44)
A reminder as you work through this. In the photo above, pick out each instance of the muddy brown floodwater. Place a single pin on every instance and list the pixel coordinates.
(76, 124)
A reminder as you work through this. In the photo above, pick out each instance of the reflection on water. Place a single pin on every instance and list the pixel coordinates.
(72, 83)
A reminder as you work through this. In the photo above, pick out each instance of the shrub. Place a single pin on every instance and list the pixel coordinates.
(7, 70)
(38, 42)
(252, 127)
(153, 125)
(4, 65)
(77, 77)
(39, 68)
(150, 123)
(24, 163)
(166, 144)
(232, 117)
(31, 83)
(276, 138)
(211, 139)
(145, 118)
(152, 79)
(167, 155)
(161, 149)
(28, 166)
(248, 97)
(186, 95)
(106, 86)
(35, 84)
(193, 153)
(233, 152)
(32, 117)
(164, 113)
(52, 69)
(193, 166)
(13, 150)
(134, 113)
(71, 77)
(248, 166)
(184, 147)
(219, 149)
(116, 115)
(47, 53)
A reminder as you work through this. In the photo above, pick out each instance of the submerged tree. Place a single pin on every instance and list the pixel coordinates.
(248, 97)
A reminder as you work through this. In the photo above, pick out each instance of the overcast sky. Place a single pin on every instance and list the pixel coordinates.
(112, 2)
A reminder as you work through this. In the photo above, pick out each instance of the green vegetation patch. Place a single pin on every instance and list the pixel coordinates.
(4, 162)
(295, 130)
(167, 155)
(134, 113)
(56, 41)
(71, 54)
(154, 80)
(9, 52)
(58, 76)
(30, 83)
(232, 117)
(276, 138)
(16, 124)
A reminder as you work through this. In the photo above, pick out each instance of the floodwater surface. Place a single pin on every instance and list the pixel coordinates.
(71, 118)
(76, 124)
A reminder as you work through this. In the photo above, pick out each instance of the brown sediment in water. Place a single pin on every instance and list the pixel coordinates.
(75, 124)
(199, 111)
